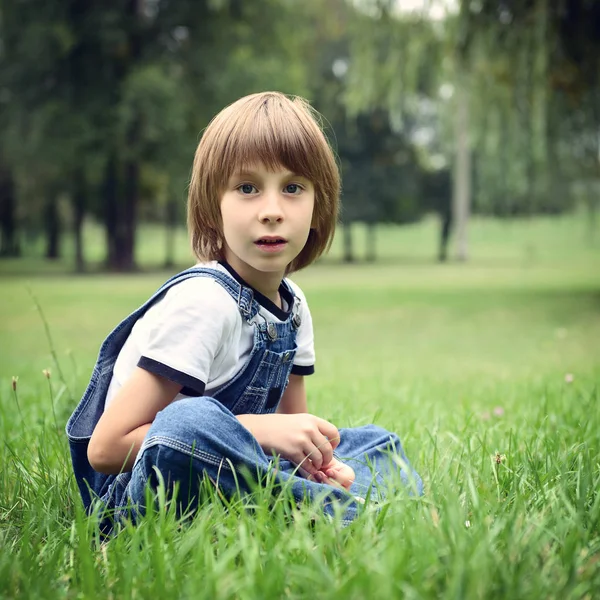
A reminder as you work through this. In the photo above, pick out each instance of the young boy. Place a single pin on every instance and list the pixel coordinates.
(207, 377)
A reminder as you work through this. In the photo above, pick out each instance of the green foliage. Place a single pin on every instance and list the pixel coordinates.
(531, 71)
(393, 58)
(106, 102)
(380, 172)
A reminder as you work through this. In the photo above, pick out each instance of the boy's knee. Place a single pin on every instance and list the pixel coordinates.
(183, 431)
(200, 426)
(188, 416)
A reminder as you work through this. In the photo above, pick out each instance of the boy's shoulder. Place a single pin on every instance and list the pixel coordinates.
(198, 288)
(201, 292)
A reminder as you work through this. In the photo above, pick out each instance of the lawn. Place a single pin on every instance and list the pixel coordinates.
(488, 371)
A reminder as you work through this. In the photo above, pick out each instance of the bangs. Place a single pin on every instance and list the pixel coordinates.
(268, 131)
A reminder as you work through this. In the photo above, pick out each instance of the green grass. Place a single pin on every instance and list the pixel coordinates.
(467, 362)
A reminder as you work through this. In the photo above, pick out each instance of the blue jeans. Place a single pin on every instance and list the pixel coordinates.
(198, 437)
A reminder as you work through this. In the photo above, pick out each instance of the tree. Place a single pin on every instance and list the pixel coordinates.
(461, 195)
(9, 242)
(380, 171)
(398, 61)
(544, 59)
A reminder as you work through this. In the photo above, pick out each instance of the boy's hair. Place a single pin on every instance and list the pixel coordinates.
(275, 130)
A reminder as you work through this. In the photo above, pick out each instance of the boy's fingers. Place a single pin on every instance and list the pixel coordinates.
(312, 459)
(326, 449)
(315, 457)
(304, 463)
(330, 431)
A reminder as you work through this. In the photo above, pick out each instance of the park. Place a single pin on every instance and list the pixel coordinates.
(459, 304)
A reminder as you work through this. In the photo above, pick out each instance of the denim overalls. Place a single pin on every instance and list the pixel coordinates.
(200, 436)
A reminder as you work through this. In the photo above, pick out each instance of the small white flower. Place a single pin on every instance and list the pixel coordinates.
(569, 378)
(467, 524)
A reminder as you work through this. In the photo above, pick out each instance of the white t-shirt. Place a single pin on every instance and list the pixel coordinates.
(195, 335)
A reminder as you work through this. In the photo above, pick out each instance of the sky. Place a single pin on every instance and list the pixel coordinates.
(436, 9)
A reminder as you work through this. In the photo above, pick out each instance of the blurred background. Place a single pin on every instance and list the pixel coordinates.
(441, 112)
(459, 305)
(464, 277)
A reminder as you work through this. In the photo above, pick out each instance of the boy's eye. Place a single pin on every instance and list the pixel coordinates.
(293, 188)
(246, 188)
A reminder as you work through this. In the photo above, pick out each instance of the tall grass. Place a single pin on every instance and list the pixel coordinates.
(489, 373)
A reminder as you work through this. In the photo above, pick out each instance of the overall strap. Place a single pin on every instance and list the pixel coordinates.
(242, 295)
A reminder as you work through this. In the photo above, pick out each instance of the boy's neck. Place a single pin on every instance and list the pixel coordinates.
(267, 283)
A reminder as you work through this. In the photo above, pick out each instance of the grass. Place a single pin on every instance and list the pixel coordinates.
(488, 371)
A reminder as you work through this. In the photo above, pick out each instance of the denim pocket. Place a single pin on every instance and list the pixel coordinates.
(273, 398)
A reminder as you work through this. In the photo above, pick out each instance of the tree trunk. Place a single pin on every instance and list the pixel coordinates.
(592, 205)
(9, 244)
(120, 214)
(371, 254)
(348, 246)
(593, 193)
(52, 227)
(541, 137)
(462, 171)
(78, 201)
(445, 229)
(593, 220)
(126, 258)
(110, 187)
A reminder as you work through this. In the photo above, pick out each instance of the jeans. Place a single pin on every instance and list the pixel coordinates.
(197, 437)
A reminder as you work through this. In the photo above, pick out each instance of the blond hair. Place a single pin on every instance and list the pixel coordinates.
(274, 130)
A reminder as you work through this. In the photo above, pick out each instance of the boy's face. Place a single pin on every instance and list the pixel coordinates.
(266, 221)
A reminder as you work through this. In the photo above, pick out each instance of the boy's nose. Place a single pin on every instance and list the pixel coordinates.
(271, 211)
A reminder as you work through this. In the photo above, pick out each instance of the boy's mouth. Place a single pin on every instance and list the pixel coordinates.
(270, 240)
(271, 243)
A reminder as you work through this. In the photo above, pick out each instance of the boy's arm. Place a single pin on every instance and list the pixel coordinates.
(121, 429)
(294, 398)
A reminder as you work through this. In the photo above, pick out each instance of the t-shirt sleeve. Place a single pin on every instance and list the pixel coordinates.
(189, 327)
(304, 361)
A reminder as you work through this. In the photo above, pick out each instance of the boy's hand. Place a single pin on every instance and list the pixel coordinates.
(335, 473)
(303, 439)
